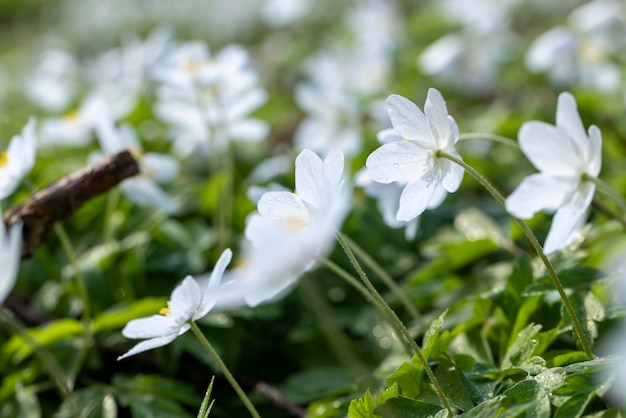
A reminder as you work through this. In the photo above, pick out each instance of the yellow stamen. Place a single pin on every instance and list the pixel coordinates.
(71, 115)
(404, 139)
(165, 311)
(4, 159)
(296, 223)
(193, 66)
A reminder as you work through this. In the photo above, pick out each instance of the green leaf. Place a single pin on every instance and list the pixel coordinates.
(520, 352)
(576, 278)
(205, 406)
(92, 402)
(403, 407)
(589, 310)
(408, 377)
(27, 401)
(363, 407)
(430, 337)
(45, 335)
(574, 406)
(451, 382)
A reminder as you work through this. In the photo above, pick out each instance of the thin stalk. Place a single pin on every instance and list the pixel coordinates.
(602, 207)
(229, 376)
(48, 362)
(386, 278)
(400, 328)
(608, 191)
(490, 137)
(335, 338)
(363, 291)
(66, 243)
(113, 198)
(535, 243)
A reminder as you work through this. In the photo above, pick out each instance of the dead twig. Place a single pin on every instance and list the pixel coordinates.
(60, 199)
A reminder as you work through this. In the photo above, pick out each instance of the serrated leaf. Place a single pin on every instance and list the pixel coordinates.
(409, 378)
(363, 407)
(450, 380)
(522, 348)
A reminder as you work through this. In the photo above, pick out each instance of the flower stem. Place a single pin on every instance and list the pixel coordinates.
(400, 328)
(209, 348)
(490, 137)
(380, 272)
(48, 362)
(608, 191)
(535, 243)
(66, 243)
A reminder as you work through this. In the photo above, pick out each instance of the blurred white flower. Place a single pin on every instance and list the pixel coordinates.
(17, 161)
(55, 81)
(279, 13)
(564, 154)
(414, 160)
(479, 16)
(188, 302)
(74, 128)
(154, 167)
(292, 230)
(10, 254)
(207, 99)
(584, 50)
(468, 61)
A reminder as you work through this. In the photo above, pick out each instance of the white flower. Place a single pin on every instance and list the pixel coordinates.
(414, 160)
(188, 302)
(17, 161)
(563, 154)
(154, 167)
(292, 230)
(10, 253)
(54, 82)
(74, 128)
(207, 99)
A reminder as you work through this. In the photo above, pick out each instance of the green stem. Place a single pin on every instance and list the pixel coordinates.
(386, 278)
(48, 362)
(335, 338)
(113, 198)
(229, 376)
(608, 191)
(490, 137)
(400, 328)
(602, 207)
(66, 243)
(535, 243)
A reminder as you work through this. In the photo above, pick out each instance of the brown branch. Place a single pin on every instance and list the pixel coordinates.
(60, 199)
(279, 399)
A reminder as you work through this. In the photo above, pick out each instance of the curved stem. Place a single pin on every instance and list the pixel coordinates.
(535, 243)
(229, 376)
(490, 137)
(380, 272)
(605, 189)
(400, 328)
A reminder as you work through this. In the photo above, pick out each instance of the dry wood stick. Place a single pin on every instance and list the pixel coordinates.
(60, 199)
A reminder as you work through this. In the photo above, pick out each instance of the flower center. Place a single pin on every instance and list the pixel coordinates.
(4, 159)
(165, 311)
(71, 116)
(193, 67)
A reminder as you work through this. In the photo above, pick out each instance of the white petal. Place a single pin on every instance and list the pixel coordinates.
(333, 166)
(249, 130)
(10, 254)
(549, 150)
(439, 195)
(595, 154)
(388, 135)
(149, 345)
(409, 120)
(397, 161)
(452, 174)
(162, 168)
(209, 293)
(415, 198)
(569, 219)
(568, 120)
(437, 114)
(145, 192)
(310, 178)
(185, 300)
(150, 327)
(535, 193)
(283, 207)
